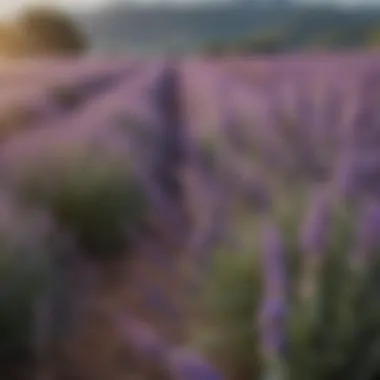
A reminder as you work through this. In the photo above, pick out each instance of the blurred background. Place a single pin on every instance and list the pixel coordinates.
(208, 26)
(154, 210)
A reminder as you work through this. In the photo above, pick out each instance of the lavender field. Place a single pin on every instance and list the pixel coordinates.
(190, 219)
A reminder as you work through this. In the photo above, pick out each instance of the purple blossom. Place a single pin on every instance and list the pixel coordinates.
(186, 365)
(181, 363)
(143, 338)
(368, 231)
(272, 325)
(229, 122)
(171, 148)
(317, 226)
(345, 178)
(273, 259)
(150, 99)
(273, 304)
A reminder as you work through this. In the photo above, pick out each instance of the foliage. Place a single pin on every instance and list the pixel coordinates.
(41, 32)
(51, 32)
(199, 26)
(326, 336)
(12, 41)
(296, 294)
(301, 32)
(24, 276)
(90, 193)
(229, 334)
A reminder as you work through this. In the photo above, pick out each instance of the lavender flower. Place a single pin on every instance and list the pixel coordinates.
(273, 259)
(345, 175)
(143, 338)
(272, 325)
(178, 363)
(273, 305)
(25, 272)
(171, 151)
(186, 365)
(368, 233)
(316, 228)
(228, 118)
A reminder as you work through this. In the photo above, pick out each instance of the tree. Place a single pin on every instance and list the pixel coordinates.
(51, 32)
(13, 43)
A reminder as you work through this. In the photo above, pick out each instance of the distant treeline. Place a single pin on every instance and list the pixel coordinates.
(40, 31)
(308, 30)
(235, 26)
(242, 29)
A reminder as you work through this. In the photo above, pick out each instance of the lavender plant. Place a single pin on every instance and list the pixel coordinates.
(90, 193)
(322, 334)
(225, 330)
(25, 271)
(321, 330)
(301, 305)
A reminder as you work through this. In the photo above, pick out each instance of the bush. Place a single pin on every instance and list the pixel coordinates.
(229, 335)
(90, 193)
(49, 31)
(12, 41)
(24, 276)
(333, 333)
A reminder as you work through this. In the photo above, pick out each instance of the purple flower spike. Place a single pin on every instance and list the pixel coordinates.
(345, 175)
(186, 365)
(368, 231)
(143, 338)
(172, 148)
(315, 231)
(273, 305)
(272, 324)
(273, 259)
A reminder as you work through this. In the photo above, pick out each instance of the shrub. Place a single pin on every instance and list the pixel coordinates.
(226, 331)
(331, 333)
(12, 41)
(49, 31)
(24, 273)
(90, 193)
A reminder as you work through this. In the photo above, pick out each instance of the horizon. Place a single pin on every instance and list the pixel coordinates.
(10, 9)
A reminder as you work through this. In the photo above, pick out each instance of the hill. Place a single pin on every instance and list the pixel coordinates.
(155, 29)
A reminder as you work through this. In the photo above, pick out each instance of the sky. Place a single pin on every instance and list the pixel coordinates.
(10, 7)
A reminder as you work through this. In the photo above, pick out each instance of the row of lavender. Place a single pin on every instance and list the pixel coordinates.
(303, 136)
(139, 174)
(94, 225)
